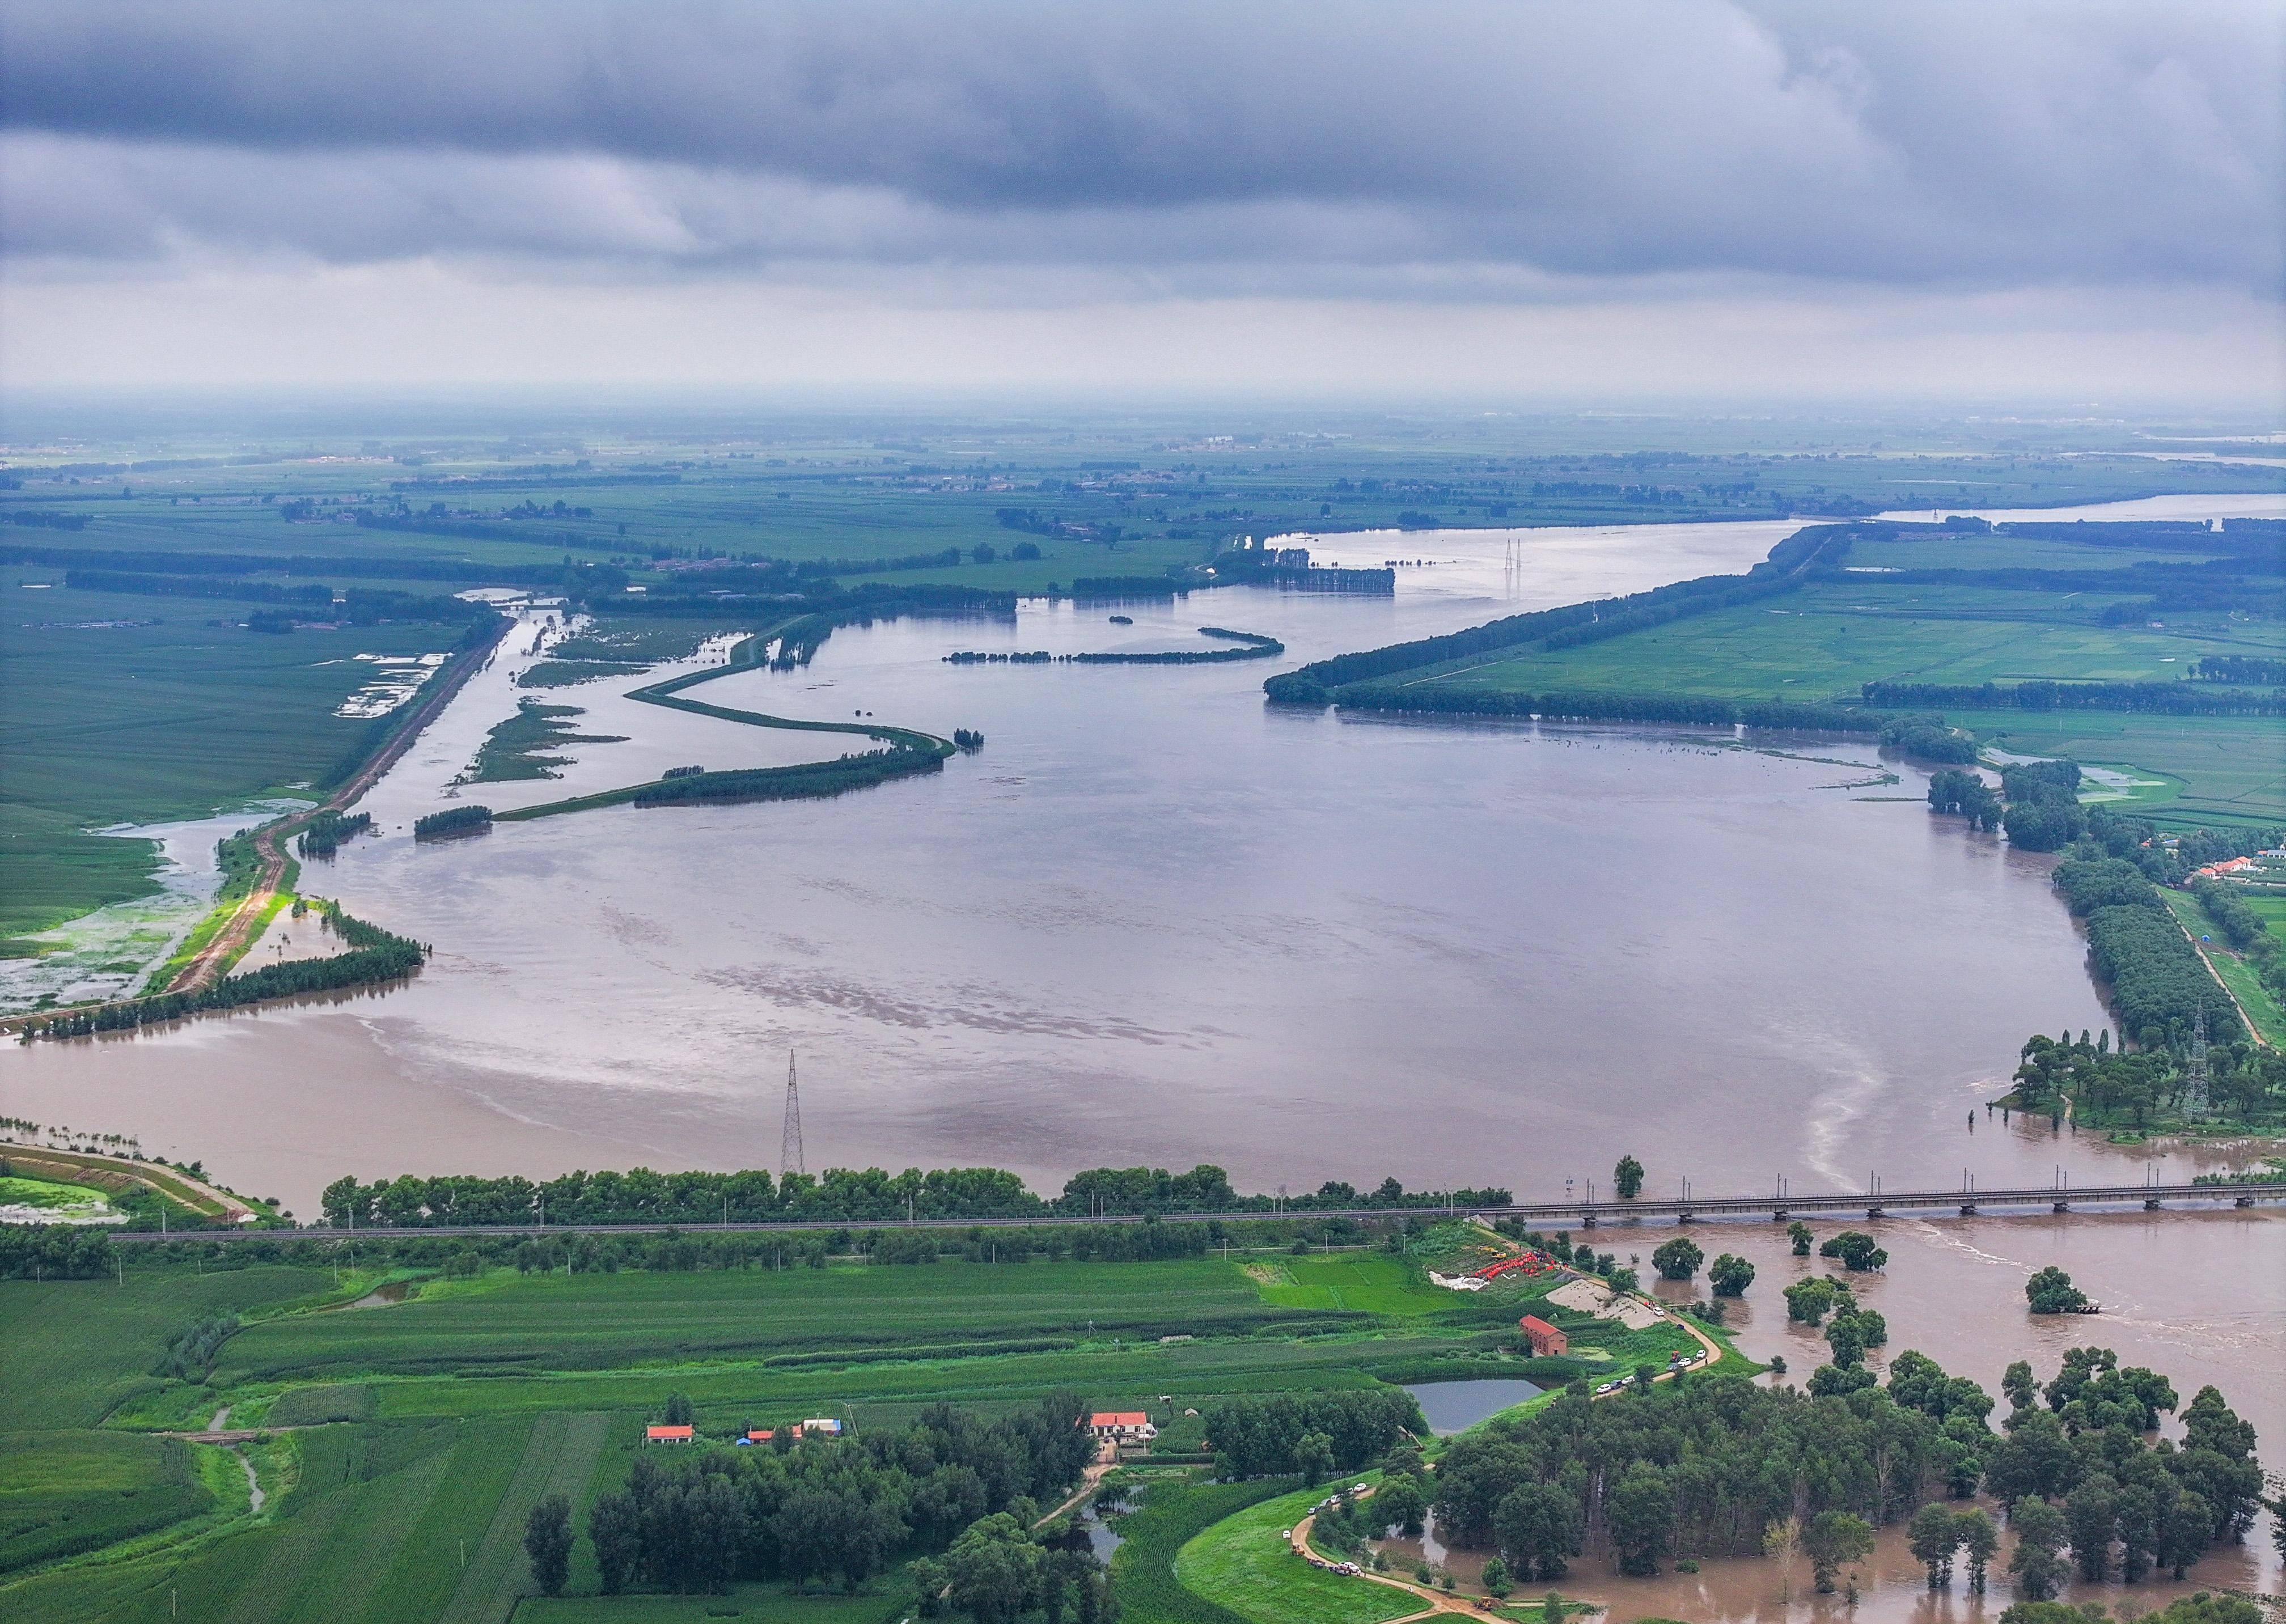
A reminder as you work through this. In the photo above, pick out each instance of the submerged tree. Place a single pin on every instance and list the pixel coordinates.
(1834, 1540)
(1731, 1276)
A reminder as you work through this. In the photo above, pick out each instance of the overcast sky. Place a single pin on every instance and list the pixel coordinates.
(2070, 202)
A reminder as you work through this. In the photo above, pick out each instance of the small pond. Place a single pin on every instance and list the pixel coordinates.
(1456, 1407)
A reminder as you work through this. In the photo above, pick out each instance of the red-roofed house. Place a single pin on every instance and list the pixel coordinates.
(1122, 1425)
(1543, 1338)
(669, 1435)
(761, 1435)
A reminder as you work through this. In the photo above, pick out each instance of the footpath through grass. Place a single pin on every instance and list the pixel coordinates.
(1244, 1564)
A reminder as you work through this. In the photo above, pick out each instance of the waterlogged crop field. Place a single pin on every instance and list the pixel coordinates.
(120, 708)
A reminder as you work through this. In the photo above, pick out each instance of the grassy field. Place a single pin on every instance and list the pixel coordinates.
(1372, 1284)
(49, 1196)
(2237, 973)
(1826, 640)
(2232, 770)
(1243, 1563)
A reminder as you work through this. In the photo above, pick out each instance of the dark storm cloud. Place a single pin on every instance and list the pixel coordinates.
(1972, 144)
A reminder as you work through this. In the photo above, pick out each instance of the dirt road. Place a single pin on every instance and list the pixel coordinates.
(268, 840)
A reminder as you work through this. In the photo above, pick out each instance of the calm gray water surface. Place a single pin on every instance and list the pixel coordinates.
(1456, 1407)
(1156, 921)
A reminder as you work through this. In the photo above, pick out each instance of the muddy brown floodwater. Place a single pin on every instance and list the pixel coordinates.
(1156, 921)
(2200, 1296)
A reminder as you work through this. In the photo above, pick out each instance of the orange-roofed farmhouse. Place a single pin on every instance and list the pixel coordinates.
(1122, 1425)
(1543, 1338)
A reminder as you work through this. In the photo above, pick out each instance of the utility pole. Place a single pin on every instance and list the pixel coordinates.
(789, 1151)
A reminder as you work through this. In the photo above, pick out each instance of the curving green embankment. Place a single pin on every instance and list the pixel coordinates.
(1243, 1563)
(1173, 1514)
(908, 750)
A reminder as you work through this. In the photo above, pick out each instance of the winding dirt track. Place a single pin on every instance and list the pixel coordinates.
(238, 935)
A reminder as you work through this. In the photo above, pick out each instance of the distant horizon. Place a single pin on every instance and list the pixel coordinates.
(714, 407)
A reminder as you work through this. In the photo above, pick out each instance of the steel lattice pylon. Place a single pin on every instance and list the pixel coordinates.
(790, 1159)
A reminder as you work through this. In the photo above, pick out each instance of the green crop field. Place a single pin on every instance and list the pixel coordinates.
(63, 1493)
(1243, 1563)
(74, 1349)
(418, 1435)
(1372, 1284)
(178, 715)
(2232, 770)
(1152, 1536)
(1826, 640)
(886, 1601)
(592, 1321)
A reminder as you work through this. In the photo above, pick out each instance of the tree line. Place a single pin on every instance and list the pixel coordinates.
(452, 820)
(578, 578)
(1717, 1466)
(1309, 1435)
(54, 1251)
(838, 1196)
(2239, 668)
(2158, 982)
(1255, 647)
(327, 828)
(2178, 699)
(838, 1511)
(357, 605)
(375, 956)
(2043, 804)
(802, 781)
(2106, 1085)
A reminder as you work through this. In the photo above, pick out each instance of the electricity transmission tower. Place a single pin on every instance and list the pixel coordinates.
(789, 1143)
